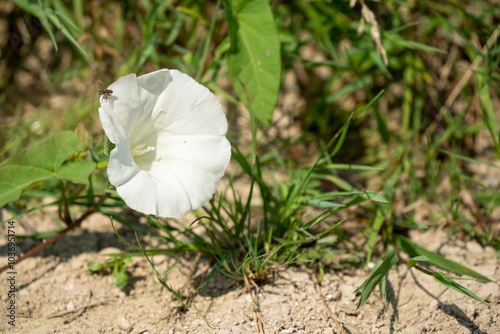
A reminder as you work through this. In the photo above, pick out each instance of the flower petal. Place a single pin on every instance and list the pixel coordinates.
(197, 183)
(121, 165)
(198, 162)
(113, 128)
(124, 103)
(140, 193)
(211, 153)
(150, 87)
(187, 108)
(172, 198)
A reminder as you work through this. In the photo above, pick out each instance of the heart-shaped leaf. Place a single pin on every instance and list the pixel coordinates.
(41, 161)
(254, 59)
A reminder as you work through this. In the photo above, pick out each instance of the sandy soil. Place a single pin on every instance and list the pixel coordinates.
(56, 295)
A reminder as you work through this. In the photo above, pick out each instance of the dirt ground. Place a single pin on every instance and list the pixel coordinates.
(56, 295)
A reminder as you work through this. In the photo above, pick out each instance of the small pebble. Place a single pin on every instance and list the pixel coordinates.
(123, 324)
(70, 306)
(348, 308)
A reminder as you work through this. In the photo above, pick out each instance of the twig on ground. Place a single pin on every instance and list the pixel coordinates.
(78, 309)
(328, 310)
(256, 307)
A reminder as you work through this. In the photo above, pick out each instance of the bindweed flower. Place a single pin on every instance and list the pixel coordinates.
(169, 142)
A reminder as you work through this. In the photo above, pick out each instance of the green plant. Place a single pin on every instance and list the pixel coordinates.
(377, 134)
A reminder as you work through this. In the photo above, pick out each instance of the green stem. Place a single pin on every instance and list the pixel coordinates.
(425, 271)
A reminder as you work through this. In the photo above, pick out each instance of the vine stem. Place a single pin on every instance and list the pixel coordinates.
(66, 217)
(92, 209)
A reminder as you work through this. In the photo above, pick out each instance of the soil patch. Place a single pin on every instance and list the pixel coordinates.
(56, 295)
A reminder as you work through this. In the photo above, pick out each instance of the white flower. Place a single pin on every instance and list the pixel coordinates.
(171, 148)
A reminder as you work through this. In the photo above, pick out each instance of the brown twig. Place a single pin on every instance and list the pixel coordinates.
(328, 310)
(255, 304)
(330, 313)
(78, 309)
(468, 73)
(92, 209)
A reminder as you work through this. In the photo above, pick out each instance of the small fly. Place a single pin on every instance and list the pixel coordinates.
(104, 92)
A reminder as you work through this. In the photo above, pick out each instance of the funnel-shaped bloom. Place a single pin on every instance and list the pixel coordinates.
(171, 148)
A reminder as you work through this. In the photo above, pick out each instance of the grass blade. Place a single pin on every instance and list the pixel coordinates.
(450, 283)
(376, 277)
(413, 249)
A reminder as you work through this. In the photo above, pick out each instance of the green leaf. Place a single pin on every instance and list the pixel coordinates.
(254, 56)
(413, 249)
(351, 87)
(382, 127)
(410, 223)
(169, 269)
(349, 167)
(368, 194)
(412, 44)
(322, 204)
(36, 10)
(120, 276)
(380, 214)
(53, 14)
(94, 267)
(43, 161)
(469, 159)
(376, 277)
(442, 278)
(77, 171)
(450, 283)
(310, 239)
(488, 199)
(413, 261)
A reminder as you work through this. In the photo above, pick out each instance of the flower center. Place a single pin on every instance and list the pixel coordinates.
(140, 150)
(143, 160)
